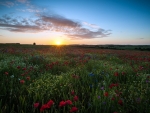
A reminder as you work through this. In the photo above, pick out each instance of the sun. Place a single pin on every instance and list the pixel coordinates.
(58, 42)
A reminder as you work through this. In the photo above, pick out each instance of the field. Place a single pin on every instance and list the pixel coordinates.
(64, 79)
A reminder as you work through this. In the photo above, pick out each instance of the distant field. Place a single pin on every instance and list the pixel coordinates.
(82, 79)
(115, 47)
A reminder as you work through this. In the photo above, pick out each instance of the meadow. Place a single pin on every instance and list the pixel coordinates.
(63, 79)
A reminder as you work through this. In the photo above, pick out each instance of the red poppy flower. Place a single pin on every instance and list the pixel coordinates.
(43, 107)
(62, 103)
(36, 105)
(74, 109)
(6, 73)
(69, 102)
(116, 74)
(106, 94)
(18, 67)
(50, 103)
(24, 69)
(22, 81)
(120, 102)
(72, 92)
(76, 98)
(123, 73)
(113, 85)
(112, 98)
(28, 78)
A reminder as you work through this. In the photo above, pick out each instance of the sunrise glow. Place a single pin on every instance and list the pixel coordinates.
(58, 42)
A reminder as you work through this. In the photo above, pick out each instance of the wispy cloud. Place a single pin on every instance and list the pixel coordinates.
(22, 1)
(90, 25)
(7, 3)
(11, 3)
(140, 38)
(71, 28)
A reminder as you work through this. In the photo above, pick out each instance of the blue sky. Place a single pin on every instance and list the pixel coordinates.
(75, 21)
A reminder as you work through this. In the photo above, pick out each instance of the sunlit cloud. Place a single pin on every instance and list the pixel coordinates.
(71, 28)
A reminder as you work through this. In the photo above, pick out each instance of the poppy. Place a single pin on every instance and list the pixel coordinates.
(62, 103)
(72, 92)
(28, 78)
(120, 102)
(74, 109)
(43, 107)
(75, 98)
(69, 102)
(22, 81)
(50, 103)
(36, 105)
(106, 94)
(116, 74)
(6, 73)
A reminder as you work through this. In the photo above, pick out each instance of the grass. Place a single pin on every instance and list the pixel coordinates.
(66, 79)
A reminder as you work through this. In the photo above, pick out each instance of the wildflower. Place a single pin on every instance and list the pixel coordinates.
(120, 102)
(6, 73)
(72, 92)
(112, 98)
(116, 74)
(62, 103)
(106, 94)
(75, 98)
(50, 103)
(46, 106)
(28, 78)
(102, 88)
(113, 85)
(98, 97)
(74, 109)
(24, 69)
(69, 102)
(18, 67)
(43, 107)
(36, 105)
(12, 76)
(22, 81)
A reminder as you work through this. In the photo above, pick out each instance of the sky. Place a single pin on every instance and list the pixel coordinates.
(92, 22)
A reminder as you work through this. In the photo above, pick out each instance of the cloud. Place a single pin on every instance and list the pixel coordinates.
(71, 28)
(88, 34)
(22, 1)
(90, 25)
(7, 3)
(16, 25)
(22, 28)
(141, 38)
(60, 21)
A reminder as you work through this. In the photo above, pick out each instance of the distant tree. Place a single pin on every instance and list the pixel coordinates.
(34, 43)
